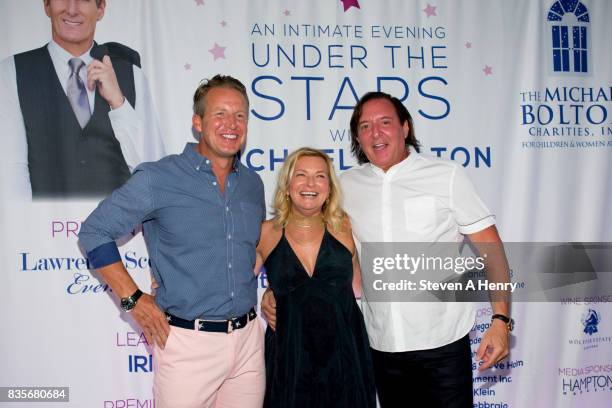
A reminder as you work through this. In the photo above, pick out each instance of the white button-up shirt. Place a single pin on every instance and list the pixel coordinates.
(421, 199)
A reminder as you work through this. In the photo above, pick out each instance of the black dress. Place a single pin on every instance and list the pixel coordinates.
(319, 355)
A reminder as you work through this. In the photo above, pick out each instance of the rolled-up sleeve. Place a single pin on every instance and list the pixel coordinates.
(115, 217)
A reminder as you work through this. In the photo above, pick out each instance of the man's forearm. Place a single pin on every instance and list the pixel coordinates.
(118, 279)
(490, 247)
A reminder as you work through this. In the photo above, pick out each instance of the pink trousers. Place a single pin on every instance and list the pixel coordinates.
(204, 369)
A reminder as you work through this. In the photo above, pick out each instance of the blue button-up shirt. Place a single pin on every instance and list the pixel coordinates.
(201, 242)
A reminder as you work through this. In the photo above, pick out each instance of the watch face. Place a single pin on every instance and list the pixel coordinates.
(511, 325)
(127, 304)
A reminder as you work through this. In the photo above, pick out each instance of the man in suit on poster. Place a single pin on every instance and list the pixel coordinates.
(76, 116)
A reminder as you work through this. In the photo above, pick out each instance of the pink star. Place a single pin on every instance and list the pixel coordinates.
(468, 45)
(187, 66)
(350, 3)
(487, 70)
(217, 51)
(199, 2)
(223, 23)
(286, 12)
(430, 10)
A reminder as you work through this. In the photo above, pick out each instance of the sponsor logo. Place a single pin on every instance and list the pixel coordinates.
(569, 29)
(590, 320)
(591, 378)
(570, 116)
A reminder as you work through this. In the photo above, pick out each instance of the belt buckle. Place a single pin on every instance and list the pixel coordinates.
(230, 326)
(198, 324)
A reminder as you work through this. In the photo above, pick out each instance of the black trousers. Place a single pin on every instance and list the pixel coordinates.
(440, 377)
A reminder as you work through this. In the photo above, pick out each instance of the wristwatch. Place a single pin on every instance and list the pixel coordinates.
(128, 303)
(508, 320)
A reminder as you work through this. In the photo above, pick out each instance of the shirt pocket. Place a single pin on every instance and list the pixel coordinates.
(420, 214)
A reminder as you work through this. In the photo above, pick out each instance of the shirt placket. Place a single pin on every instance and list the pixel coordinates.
(387, 223)
(229, 223)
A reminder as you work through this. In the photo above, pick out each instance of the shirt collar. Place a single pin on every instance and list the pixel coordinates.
(200, 162)
(412, 157)
(62, 56)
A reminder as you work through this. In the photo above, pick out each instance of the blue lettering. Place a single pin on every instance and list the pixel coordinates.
(305, 58)
(392, 48)
(249, 162)
(438, 150)
(307, 79)
(267, 56)
(528, 116)
(290, 58)
(130, 262)
(486, 158)
(345, 81)
(24, 262)
(257, 93)
(274, 160)
(417, 57)
(604, 114)
(358, 58)
(379, 87)
(434, 57)
(464, 151)
(330, 55)
(140, 363)
(438, 98)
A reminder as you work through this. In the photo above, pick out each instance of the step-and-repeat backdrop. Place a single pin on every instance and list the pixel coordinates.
(518, 92)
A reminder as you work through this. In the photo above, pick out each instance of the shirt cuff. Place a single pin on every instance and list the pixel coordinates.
(104, 255)
(123, 112)
(477, 226)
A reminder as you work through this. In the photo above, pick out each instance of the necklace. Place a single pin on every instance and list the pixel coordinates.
(305, 222)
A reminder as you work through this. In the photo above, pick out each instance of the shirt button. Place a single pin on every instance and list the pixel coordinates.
(198, 168)
(229, 236)
(207, 161)
(214, 183)
(229, 265)
(227, 208)
(83, 162)
(232, 294)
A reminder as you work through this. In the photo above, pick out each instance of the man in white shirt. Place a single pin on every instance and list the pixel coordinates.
(421, 351)
(74, 125)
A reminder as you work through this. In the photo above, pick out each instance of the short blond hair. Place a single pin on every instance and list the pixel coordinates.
(333, 214)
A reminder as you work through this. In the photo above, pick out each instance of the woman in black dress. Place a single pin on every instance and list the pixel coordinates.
(319, 355)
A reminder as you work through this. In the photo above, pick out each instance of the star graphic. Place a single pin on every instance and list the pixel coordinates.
(187, 66)
(199, 2)
(223, 23)
(487, 70)
(468, 45)
(286, 12)
(430, 10)
(350, 3)
(237, 324)
(217, 51)
(168, 318)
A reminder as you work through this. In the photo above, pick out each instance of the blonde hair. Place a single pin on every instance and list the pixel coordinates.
(333, 214)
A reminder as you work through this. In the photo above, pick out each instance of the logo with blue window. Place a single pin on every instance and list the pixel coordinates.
(569, 28)
(590, 320)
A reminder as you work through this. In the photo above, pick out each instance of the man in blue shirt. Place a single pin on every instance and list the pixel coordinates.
(201, 213)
